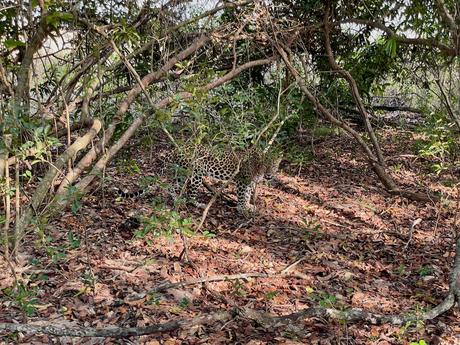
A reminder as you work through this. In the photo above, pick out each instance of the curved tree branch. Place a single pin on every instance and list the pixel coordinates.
(354, 90)
(427, 42)
(384, 177)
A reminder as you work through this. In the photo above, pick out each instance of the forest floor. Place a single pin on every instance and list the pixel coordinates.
(352, 238)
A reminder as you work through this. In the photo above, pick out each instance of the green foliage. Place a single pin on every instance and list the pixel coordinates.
(438, 143)
(312, 230)
(125, 34)
(184, 303)
(369, 63)
(324, 131)
(73, 196)
(408, 325)
(298, 156)
(128, 166)
(231, 115)
(401, 270)
(12, 43)
(74, 241)
(88, 279)
(164, 222)
(324, 299)
(23, 297)
(271, 295)
(425, 271)
(55, 19)
(238, 288)
(153, 298)
(208, 234)
(420, 342)
(390, 47)
(57, 253)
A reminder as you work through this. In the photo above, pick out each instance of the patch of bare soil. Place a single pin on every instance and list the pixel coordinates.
(349, 239)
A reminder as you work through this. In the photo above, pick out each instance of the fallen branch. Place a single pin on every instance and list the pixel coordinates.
(87, 160)
(392, 108)
(448, 104)
(265, 319)
(166, 286)
(116, 332)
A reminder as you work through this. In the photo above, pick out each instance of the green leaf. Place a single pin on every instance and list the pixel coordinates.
(11, 43)
(55, 18)
(390, 47)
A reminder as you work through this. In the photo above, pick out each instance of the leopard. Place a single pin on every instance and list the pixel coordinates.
(246, 168)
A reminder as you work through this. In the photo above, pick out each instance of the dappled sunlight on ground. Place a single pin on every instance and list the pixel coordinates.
(348, 239)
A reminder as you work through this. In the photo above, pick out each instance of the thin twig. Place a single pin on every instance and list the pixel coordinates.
(136, 76)
(411, 231)
(6, 226)
(167, 285)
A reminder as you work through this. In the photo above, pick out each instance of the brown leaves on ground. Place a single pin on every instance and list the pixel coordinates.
(349, 233)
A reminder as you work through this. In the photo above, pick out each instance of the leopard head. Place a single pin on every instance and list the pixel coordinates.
(272, 166)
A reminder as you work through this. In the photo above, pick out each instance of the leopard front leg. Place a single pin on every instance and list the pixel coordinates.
(195, 183)
(245, 191)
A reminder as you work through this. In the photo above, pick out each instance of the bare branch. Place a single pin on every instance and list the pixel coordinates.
(98, 167)
(45, 184)
(91, 155)
(427, 42)
(386, 179)
(117, 332)
(36, 42)
(354, 90)
(446, 16)
(446, 101)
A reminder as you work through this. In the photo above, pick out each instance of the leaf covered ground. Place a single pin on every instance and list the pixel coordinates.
(327, 219)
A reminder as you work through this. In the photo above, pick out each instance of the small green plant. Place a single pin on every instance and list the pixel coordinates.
(184, 303)
(397, 167)
(238, 289)
(401, 270)
(89, 279)
(74, 241)
(153, 298)
(438, 144)
(425, 271)
(403, 331)
(147, 181)
(23, 298)
(324, 299)
(323, 131)
(299, 156)
(73, 195)
(165, 222)
(327, 301)
(208, 234)
(270, 295)
(311, 230)
(56, 253)
(128, 166)
(420, 342)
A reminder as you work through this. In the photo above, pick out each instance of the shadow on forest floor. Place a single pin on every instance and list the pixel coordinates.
(350, 234)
